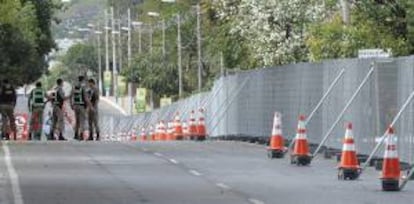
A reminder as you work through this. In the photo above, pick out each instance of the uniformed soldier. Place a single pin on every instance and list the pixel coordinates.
(36, 106)
(79, 103)
(93, 119)
(7, 104)
(58, 99)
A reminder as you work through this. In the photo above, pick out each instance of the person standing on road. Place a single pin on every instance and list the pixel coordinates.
(58, 123)
(79, 103)
(36, 104)
(8, 100)
(93, 119)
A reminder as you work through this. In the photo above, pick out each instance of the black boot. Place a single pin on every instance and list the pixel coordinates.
(61, 138)
(97, 136)
(51, 135)
(6, 136)
(76, 136)
(90, 138)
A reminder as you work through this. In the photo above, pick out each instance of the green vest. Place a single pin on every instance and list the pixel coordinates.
(78, 96)
(37, 98)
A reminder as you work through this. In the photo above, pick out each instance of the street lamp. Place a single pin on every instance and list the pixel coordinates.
(156, 15)
(98, 33)
(139, 24)
(107, 29)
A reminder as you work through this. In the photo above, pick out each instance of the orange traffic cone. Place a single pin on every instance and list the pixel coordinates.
(301, 155)
(276, 147)
(170, 131)
(134, 134)
(143, 135)
(152, 133)
(162, 131)
(186, 133)
(192, 126)
(157, 132)
(349, 166)
(201, 127)
(178, 129)
(391, 170)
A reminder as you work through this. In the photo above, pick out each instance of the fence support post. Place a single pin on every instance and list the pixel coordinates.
(382, 139)
(220, 116)
(408, 178)
(330, 88)
(364, 81)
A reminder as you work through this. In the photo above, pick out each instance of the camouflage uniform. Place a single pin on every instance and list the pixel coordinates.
(58, 123)
(93, 119)
(79, 107)
(7, 103)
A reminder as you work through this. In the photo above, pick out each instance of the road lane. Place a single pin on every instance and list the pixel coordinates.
(71, 172)
(179, 172)
(247, 171)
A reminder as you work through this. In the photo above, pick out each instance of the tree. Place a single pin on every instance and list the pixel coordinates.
(393, 16)
(25, 38)
(154, 73)
(81, 58)
(369, 28)
(18, 44)
(276, 29)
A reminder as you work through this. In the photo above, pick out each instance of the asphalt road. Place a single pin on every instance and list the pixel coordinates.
(175, 173)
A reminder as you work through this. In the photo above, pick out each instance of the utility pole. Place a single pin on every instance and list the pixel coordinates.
(140, 39)
(129, 38)
(345, 12)
(131, 101)
(150, 40)
(221, 64)
(163, 37)
(98, 33)
(120, 55)
(199, 47)
(180, 68)
(152, 90)
(106, 47)
(114, 70)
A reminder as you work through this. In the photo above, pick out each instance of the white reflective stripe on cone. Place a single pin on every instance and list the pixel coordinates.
(300, 136)
(348, 147)
(349, 134)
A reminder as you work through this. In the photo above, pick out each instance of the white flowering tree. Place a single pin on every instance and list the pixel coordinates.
(276, 30)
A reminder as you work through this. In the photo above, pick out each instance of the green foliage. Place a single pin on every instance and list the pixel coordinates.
(332, 39)
(160, 77)
(81, 58)
(217, 41)
(25, 38)
(77, 14)
(58, 70)
(246, 34)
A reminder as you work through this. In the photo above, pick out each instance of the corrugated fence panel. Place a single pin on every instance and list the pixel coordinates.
(243, 104)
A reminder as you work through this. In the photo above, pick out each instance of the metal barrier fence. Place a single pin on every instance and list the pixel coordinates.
(243, 104)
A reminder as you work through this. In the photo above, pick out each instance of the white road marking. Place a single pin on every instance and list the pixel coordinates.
(173, 161)
(158, 154)
(14, 178)
(195, 173)
(255, 201)
(222, 185)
